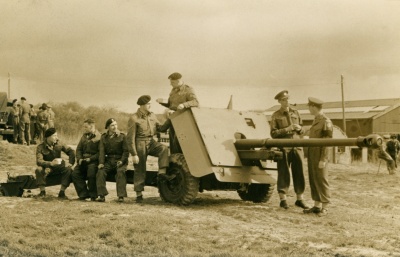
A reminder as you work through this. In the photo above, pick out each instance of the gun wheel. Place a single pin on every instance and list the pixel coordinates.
(257, 193)
(183, 188)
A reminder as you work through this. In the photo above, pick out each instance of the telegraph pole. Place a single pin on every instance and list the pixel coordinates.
(9, 86)
(344, 118)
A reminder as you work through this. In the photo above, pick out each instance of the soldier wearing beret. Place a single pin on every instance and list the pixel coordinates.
(87, 155)
(142, 127)
(113, 158)
(318, 158)
(48, 158)
(24, 122)
(182, 96)
(287, 123)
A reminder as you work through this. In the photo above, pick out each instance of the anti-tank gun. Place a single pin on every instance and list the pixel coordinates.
(222, 150)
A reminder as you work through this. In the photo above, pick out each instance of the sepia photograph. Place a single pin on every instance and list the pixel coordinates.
(207, 128)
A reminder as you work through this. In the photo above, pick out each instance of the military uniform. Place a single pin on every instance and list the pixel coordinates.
(24, 123)
(384, 155)
(88, 147)
(14, 112)
(45, 154)
(180, 95)
(321, 128)
(393, 148)
(33, 125)
(141, 131)
(42, 123)
(112, 148)
(292, 157)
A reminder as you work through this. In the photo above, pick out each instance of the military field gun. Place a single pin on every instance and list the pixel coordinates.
(226, 150)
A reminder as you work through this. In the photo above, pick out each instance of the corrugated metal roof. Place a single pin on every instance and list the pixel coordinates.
(360, 109)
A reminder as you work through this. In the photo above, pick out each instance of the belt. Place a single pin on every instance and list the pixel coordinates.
(87, 155)
(149, 138)
(113, 156)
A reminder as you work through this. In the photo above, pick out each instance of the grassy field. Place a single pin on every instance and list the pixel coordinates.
(363, 220)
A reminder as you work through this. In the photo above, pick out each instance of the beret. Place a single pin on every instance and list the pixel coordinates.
(89, 121)
(144, 99)
(282, 94)
(109, 121)
(23, 98)
(44, 106)
(175, 76)
(49, 132)
(14, 100)
(312, 101)
(393, 136)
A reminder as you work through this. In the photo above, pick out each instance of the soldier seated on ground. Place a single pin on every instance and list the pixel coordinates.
(48, 158)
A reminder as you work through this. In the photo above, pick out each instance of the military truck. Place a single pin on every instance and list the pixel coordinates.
(6, 126)
(222, 149)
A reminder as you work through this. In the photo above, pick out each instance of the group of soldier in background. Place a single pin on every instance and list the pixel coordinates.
(98, 155)
(29, 126)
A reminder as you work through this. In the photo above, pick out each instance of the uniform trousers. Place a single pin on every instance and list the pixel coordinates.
(145, 148)
(319, 184)
(292, 158)
(81, 173)
(110, 166)
(57, 170)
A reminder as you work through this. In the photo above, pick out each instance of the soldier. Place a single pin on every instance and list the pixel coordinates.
(87, 155)
(113, 157)
(318, 158)
(33, 115)
(286, 123)
(142, 127)
(51, 116)
(393, 148)
(182, 96)
(42, 121)
(384, 155)
(24, 122)
(48, 158)
(14, 112)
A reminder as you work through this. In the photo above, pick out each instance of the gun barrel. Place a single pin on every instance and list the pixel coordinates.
(371, 141)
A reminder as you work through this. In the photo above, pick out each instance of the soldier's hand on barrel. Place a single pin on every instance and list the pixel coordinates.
(135, 159)
(180, 107)
(159, 100)
(295, 127)
(100, 166)
(321, 164)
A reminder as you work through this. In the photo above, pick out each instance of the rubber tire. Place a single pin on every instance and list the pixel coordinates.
(183, 189)
(257, 193)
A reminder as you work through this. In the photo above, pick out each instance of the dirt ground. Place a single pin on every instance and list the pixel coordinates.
(363, 220)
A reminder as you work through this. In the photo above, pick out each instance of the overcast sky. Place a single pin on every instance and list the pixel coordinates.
(111, 52)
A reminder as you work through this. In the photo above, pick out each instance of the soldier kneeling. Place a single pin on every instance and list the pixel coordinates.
(48, 158)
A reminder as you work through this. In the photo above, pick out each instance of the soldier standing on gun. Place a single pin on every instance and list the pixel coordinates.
(142, 127)
(182, 96)
(318, 159)
(113, 158)
(48, 158)
(14, 112)
(286, 123)
(24, 122)
(87, 155)
(42, 121)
